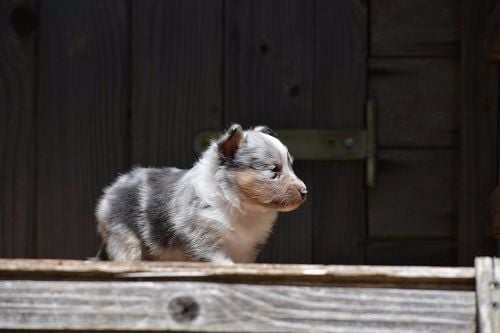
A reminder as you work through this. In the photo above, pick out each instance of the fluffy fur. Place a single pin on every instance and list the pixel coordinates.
(221, 210)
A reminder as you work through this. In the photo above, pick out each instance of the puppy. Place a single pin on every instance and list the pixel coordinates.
(221, 210)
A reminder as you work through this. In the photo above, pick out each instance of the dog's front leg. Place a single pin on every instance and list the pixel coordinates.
(212, 254)
(207, 250)
(219, 257)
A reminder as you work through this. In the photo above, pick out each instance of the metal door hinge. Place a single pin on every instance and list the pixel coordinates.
(307, 144)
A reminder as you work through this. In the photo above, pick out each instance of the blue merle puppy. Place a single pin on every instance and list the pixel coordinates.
(221, 210)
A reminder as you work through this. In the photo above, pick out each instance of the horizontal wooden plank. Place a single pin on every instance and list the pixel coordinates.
(429, 252)
(417, 101)
(210, 307)
(415, 194)
(431, 277)
(415, 27)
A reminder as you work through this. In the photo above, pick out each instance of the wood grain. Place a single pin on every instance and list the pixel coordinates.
(415, 27)
(401, 251)
(495, 294)
(338, 98)
(417, 102)
(176, 78)
(415, 194)
(208, 307)
(82, 119)
(485, 279)
(304, 81)
(401, 277)
(479, 134)
(268, 80)
(17, 127)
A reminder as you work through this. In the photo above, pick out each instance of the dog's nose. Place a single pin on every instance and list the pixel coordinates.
(303, 191)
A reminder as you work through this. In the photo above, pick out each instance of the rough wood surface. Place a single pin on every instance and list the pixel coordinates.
(495, 295)
(412, 251)
(494, 203)
(493, 33)
(417, 102)
(415, 194)
(176, 78)
(82, 119)
(479, 130)
(428, 277)
(314, 80)
(268, 80)
(484, 285)
(209, 307)
(338, 97)
(415, 27)
(18, 31)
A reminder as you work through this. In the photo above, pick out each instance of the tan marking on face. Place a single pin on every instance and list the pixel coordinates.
(279, 194)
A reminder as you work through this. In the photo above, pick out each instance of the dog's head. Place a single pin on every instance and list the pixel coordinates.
(259, 167)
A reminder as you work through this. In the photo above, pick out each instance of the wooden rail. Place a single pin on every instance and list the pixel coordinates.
(196, 297)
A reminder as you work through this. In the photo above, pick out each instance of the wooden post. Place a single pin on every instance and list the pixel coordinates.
(488, 294)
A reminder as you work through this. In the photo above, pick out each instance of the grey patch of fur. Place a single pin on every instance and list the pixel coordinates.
(196, 214)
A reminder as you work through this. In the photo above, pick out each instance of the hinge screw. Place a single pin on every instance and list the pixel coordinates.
(349, 143)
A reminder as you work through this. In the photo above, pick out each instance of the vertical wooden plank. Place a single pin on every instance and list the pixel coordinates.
(479, 133)
(82, 132)
(484, 278)
(268, 80)
(177, 56)
(18, 30)
(415, 27)
(415, 194)
(301, 64)
(338, 102)
(418, 100)
(412, 251)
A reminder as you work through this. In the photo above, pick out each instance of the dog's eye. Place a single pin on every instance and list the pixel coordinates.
(276, 168)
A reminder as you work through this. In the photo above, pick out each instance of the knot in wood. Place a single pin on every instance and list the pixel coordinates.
(183, 309)
(263, 48)
(294, 90)
(24, 21)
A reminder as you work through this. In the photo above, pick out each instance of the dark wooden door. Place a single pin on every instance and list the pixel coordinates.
(302, 64)
(113, 84)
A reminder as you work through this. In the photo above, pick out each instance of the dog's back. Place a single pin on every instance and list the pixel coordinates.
(132, 213)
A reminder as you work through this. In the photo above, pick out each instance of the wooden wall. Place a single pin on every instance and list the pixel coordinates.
(414, 76)
(85, 87)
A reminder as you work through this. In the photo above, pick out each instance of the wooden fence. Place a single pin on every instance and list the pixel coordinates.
(194, 297)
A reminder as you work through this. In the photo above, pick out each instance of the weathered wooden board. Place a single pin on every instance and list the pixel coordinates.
(415, 194)
(268, 80)
(417, 102)
(210, 307)
(18, 31)
(488, 294)
(415, 27)
(339, 96)
(405, 276)
(495, 291)
(82, 119)
(176, 78)
(493, 33)
(425, 251)
(315, 79)
(479, 134)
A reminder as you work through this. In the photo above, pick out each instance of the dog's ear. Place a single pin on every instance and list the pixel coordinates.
(265, 130)
(231, 140)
